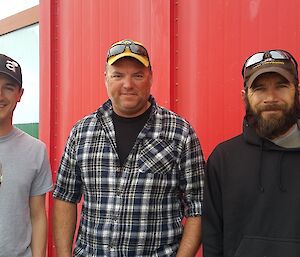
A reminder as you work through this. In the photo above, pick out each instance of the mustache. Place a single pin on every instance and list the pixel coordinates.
(271, 107)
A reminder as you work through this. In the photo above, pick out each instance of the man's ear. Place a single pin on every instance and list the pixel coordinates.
(151, 77)
(243, 94)
(105, 78)
(21, 93)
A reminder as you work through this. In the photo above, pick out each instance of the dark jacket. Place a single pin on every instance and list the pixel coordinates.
(252, 199)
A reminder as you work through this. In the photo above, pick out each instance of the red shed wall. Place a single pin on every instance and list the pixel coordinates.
(197, 48)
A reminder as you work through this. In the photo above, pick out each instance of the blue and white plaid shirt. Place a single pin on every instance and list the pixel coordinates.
(135, 209)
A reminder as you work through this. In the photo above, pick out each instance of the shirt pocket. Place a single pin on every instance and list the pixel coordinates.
(157, 157)
(265, 246)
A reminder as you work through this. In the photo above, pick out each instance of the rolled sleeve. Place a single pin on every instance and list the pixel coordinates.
(68, 180)
(192, 176)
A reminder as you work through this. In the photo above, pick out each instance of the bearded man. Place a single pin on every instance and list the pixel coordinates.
(252, 192)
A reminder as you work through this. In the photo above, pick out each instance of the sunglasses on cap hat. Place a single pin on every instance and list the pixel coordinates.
(128, 48)
(278, 61)
(266, 56)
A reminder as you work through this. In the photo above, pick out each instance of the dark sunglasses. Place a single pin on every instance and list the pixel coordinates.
(120, 48)
(271, 54)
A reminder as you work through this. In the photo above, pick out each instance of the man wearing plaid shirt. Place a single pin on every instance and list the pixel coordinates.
(139, 168)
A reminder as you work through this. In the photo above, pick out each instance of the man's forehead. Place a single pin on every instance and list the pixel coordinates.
(8, 79)
(269, 76)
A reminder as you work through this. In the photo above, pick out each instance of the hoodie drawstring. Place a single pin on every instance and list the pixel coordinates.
(281, 187)
(260, 186)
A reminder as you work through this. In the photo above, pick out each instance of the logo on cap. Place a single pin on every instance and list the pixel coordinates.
(11, 65)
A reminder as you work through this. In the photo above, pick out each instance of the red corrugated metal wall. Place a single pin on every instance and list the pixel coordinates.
(197, 48)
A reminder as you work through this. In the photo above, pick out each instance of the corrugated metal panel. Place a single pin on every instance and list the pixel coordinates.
(214, 38)
(197, 49)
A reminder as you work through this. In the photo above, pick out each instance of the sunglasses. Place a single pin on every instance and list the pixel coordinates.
(121, 47)
(268, 55)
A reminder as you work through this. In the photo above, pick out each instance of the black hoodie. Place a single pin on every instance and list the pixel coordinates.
(252, 199)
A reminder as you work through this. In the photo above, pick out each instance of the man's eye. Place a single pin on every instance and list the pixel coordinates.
(257, 89)
(139, 75)
(283, 85)
(9, 88)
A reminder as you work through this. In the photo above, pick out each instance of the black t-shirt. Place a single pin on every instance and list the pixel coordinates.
(127, 130)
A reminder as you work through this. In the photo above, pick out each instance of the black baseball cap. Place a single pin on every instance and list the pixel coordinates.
(11, 68)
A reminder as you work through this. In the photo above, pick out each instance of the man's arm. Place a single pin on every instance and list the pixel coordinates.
(39, 225)
(64, 225)
(191, 238)
(191, 185)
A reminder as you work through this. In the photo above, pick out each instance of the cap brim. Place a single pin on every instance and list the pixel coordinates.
(282, 72)
(140, 58)
(13, 78)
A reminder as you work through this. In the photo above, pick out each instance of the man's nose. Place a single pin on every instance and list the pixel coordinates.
(127, 83)
(271, 95)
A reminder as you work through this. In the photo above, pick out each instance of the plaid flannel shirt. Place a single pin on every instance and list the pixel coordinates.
(135, 209)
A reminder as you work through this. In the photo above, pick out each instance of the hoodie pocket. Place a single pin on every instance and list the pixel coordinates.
(268, 247)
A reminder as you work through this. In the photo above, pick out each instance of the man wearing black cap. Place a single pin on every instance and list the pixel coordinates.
(25, 175)
(139, 168)
(252, 192)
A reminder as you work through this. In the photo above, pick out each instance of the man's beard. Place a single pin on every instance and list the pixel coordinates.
(273, 126)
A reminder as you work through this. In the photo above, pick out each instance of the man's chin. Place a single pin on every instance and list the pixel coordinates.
(273, 125)
(270, 115)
